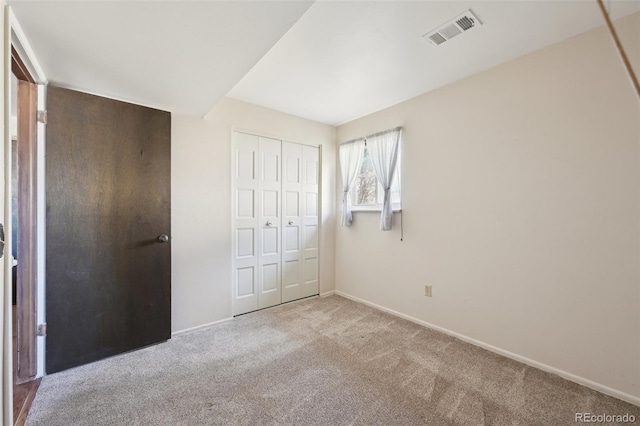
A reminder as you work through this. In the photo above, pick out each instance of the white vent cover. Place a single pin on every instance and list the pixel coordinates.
(458, 25)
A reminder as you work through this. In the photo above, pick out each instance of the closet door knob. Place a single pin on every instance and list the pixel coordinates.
(269, 223)
(290, 222)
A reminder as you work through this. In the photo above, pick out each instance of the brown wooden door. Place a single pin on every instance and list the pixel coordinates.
(108, 277)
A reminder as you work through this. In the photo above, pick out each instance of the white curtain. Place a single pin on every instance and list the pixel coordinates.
(383, 149)
(350, 162)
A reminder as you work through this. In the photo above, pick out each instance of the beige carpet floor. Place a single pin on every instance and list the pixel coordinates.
(325, 361)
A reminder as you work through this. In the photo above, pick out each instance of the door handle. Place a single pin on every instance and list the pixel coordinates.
(291, 222)
(163, 238)
(269, 223)
(1, 240)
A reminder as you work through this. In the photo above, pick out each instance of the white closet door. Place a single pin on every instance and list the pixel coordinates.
(275, 222)
(292, 221)
(245, 223)
(269, 223)
(310, 224)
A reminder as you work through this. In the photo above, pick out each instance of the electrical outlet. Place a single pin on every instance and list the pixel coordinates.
(427, 290)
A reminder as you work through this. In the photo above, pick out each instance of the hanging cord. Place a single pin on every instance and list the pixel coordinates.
(623, 55)
(401, 206)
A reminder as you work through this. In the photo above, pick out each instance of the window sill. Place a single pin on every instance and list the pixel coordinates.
(396, 208)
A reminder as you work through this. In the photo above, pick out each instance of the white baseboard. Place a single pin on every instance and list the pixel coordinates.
(199, 327)
(328, 293)
(544, 367)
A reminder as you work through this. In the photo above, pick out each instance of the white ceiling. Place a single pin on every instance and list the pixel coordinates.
(180, 56)
(330, 61)
(343, 60)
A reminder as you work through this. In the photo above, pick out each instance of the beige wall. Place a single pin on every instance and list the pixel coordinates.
(201, 204)
(521, 208)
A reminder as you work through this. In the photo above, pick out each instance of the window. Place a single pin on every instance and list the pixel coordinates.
(367, 193)
(363, 163)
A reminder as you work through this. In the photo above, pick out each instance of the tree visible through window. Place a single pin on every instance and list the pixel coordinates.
(367, 191)
(366, 183)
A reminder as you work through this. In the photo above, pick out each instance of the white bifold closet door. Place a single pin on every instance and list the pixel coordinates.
(300, 221)
(275, 222)
(245, 223)
(269, 223)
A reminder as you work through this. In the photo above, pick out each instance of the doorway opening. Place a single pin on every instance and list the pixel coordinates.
(24, 235)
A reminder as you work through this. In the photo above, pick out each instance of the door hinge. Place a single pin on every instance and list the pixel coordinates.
(42, 116)
(42, 329)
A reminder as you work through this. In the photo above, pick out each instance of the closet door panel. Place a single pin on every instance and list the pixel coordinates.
(310, 224)
(270, 258)
(245, 223)
(292, 233)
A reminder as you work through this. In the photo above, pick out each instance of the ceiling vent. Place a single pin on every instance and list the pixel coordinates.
(458, 25)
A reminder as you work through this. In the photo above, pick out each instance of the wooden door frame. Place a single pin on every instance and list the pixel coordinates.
(18, 67)
(13, 36)
(26, 288)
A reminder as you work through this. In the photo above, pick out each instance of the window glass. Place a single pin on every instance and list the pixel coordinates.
(366, 187)
(367, 191)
